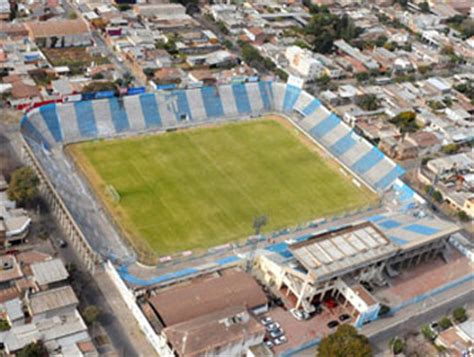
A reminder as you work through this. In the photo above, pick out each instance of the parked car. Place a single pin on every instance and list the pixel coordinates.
(317, 310)
(300, 314)
(280, 340)
(266, 320)
(333, 324)
(273, 326)
(62, 243)
(276, 333)
(344, 317)
(330, 303)
(269, 343)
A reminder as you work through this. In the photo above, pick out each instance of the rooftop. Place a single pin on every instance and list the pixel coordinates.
(202, 296)
(50, 271)
(344, 249)
(40, 29)
(229, 326)
(52, 299)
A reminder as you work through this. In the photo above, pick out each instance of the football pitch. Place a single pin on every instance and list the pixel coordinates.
(202, 187)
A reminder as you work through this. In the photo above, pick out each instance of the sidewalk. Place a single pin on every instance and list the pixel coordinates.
(124, 316)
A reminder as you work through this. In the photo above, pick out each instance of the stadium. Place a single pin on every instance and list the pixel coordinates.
(62, 139)
(162, 191)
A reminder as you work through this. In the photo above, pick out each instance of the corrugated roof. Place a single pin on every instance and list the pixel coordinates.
(202, 296)
(52, 299)
(41, 29)
(50, 271)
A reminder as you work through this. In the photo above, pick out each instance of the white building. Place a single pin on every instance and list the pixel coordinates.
(303, 62)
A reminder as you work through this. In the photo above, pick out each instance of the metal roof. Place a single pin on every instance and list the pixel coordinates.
(50, 271)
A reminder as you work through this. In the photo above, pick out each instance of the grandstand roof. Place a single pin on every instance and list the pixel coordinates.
(339, 251)
(202, 296)
(410, 230)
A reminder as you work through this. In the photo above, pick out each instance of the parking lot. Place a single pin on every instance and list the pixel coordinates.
(300, 332)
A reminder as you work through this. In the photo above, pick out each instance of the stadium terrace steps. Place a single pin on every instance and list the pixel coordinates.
(196, 102)
(258, 101)
(212, 102)
(119, 115)
(241, 98)
(303, 101)
(291, 96)
(50, 117)
(105, 124)
(278, 96)
(266, 94)
(85, 119)
(76, 121)
(133, 109)
(229, 101)
(344, 144)
(151, 113)
(67, 118)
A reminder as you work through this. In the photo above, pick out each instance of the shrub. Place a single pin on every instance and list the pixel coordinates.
(445, 323)
(459, 314)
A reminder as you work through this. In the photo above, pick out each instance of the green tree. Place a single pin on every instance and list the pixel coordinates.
(424, 7)
(445, 323)
(459, 314)
(381, 40)
(428, 333)
(406, 122)
(34, 349)
(438, 196)
(346, 341)
(323, 81)
(450, 149)
(463, 217)
(368, 102)
(397, 345)
(4, 325)
(91, 314)
(23, 187)
(362, 76)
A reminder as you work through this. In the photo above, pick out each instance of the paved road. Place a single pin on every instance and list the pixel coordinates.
(413, 317)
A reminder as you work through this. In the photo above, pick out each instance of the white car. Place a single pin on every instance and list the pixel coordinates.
(299, 314)
(266, 321)
(280, 340)
(273, 326)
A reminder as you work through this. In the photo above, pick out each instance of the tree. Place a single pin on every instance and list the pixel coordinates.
(381, 40)
(445, 323)
(23, 187)
(259, 222)
(34, 349)
(424, 7)
(463, 217)
(438, 196)
(397, 345)
(406, 122)
(428, 333)
(459, 314)
(4, 325)
(450, 149)
(368, 102)
(346, 341)
(362, 76)
(91, 314)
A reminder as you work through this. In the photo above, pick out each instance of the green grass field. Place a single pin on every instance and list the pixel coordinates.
(202, 187)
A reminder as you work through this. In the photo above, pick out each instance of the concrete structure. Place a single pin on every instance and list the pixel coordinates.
(60, 33)
(303, 63)
(331, 265)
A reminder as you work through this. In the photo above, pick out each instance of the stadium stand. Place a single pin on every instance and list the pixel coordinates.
(70, 122)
